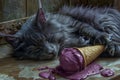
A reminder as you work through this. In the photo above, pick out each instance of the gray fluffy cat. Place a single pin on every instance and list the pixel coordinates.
(70, 27)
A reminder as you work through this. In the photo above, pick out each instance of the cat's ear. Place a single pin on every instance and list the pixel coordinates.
(11, 39)
(40, 17)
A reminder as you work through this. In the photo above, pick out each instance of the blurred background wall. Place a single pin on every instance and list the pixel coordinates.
(13, 9)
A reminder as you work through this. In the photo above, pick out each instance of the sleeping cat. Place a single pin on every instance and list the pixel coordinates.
(69, 27)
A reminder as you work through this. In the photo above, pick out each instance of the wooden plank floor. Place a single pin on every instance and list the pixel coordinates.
(23, 70)
(27, 69)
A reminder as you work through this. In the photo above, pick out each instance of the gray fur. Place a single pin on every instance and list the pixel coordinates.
(70, 27)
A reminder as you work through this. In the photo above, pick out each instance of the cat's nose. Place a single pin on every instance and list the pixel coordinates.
(51, 54)
(51, 51)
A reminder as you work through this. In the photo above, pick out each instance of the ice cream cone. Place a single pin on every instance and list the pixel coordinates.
(90, 53)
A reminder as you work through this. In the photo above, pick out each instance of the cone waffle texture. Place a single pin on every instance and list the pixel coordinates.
(90, 53)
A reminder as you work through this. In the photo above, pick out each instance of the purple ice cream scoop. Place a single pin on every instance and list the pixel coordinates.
(71, 60)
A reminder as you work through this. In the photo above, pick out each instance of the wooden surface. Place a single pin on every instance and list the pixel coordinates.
(28, 70)
(31, 7)
(117, 4)
(12, 9)
(23, 70)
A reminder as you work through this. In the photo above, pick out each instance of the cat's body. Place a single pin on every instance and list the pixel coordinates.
(70, 27)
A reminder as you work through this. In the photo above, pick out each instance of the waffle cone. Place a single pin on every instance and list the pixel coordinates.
(90, 53)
